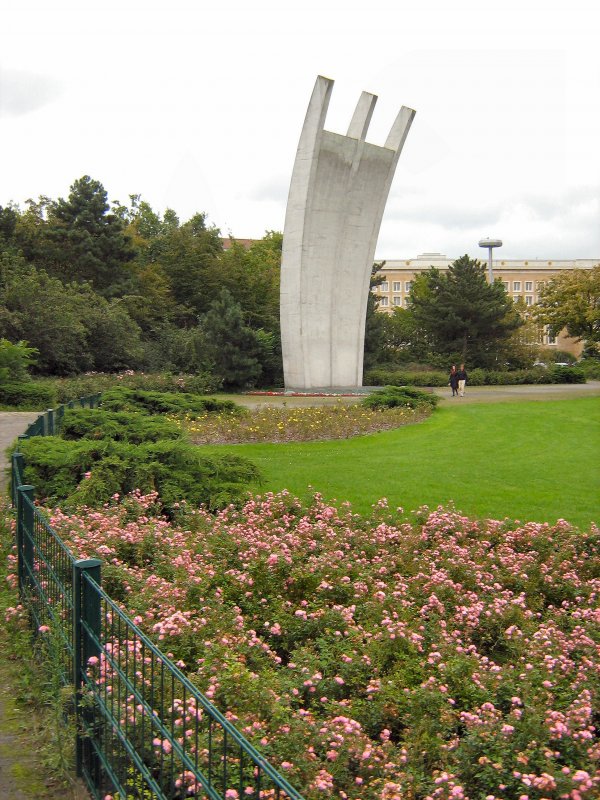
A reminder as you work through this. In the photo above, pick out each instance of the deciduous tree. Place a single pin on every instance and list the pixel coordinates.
(572, 301)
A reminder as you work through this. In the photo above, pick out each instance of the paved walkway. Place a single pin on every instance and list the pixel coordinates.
(473, 394)
(12, 423)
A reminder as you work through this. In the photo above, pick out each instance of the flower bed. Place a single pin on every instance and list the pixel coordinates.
(375, 659)
(271, 424)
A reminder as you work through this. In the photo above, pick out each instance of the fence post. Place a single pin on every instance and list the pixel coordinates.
(87, 624)
(58, 418)
(18, 465)
(25, 516)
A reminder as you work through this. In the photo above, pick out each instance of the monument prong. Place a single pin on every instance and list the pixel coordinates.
(361, 119)
(336, 201)
(399, 130)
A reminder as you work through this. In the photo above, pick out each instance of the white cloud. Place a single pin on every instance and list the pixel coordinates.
(22, 92)
(200, 106)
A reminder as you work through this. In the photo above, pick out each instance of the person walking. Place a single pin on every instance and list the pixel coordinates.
(453, 380)
(462, 380)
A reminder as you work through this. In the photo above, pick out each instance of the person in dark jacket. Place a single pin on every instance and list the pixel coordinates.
(462, 380)
(453, 380)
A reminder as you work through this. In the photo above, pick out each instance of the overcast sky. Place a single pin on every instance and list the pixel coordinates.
(198, 106)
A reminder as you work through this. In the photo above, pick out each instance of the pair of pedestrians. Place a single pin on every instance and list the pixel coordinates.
(458, 380)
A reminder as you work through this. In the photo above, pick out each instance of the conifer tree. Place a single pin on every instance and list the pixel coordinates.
(234, 347)
(462, 314)
(86, 242)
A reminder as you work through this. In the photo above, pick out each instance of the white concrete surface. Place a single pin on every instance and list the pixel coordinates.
(337, 196)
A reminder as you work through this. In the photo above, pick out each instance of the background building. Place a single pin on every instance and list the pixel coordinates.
(522, 279)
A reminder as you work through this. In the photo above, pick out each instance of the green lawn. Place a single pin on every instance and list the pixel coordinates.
(531, 461)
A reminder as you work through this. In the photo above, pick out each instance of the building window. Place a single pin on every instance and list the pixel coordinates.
(384, 302)
(516, 297)
(506, 285)
(550, 338)
(406, 302)
(528, 299)
(529, 286)
(397, 301)
(397, 286)
(384, 287)
(516, 286)
(540, 285)
(407, 286)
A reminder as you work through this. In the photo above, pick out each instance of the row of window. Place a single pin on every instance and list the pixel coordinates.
(396, 286)
(516, 286)
(384, 302)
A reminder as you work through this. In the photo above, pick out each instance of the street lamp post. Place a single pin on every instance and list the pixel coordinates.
(490, 244)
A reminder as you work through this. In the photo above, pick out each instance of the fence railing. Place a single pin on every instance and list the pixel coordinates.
(143, 729)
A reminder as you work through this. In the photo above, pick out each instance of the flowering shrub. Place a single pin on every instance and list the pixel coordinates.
(374, 658)
(272, 424)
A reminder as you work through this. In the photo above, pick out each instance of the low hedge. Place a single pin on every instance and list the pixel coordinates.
(590, 368)
(389, 377)
(477, 377)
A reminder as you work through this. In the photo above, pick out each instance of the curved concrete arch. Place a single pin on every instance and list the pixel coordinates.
(337, 197)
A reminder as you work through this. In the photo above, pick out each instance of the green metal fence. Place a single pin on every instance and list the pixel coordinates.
(144, 730)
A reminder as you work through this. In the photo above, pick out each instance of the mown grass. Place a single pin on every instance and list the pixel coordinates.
(530, 460)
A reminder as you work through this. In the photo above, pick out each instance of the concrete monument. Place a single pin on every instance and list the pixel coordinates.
(337, 196)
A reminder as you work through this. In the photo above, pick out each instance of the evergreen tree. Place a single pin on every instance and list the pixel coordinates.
(234, 347)
(462, 314)
(86, 242)
(374, 323)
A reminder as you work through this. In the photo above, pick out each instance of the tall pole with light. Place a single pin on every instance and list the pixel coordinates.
(490, 244)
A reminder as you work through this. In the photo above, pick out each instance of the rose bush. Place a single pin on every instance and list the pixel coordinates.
(374, 658)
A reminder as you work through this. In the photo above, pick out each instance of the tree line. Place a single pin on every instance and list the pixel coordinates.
(98, 286)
